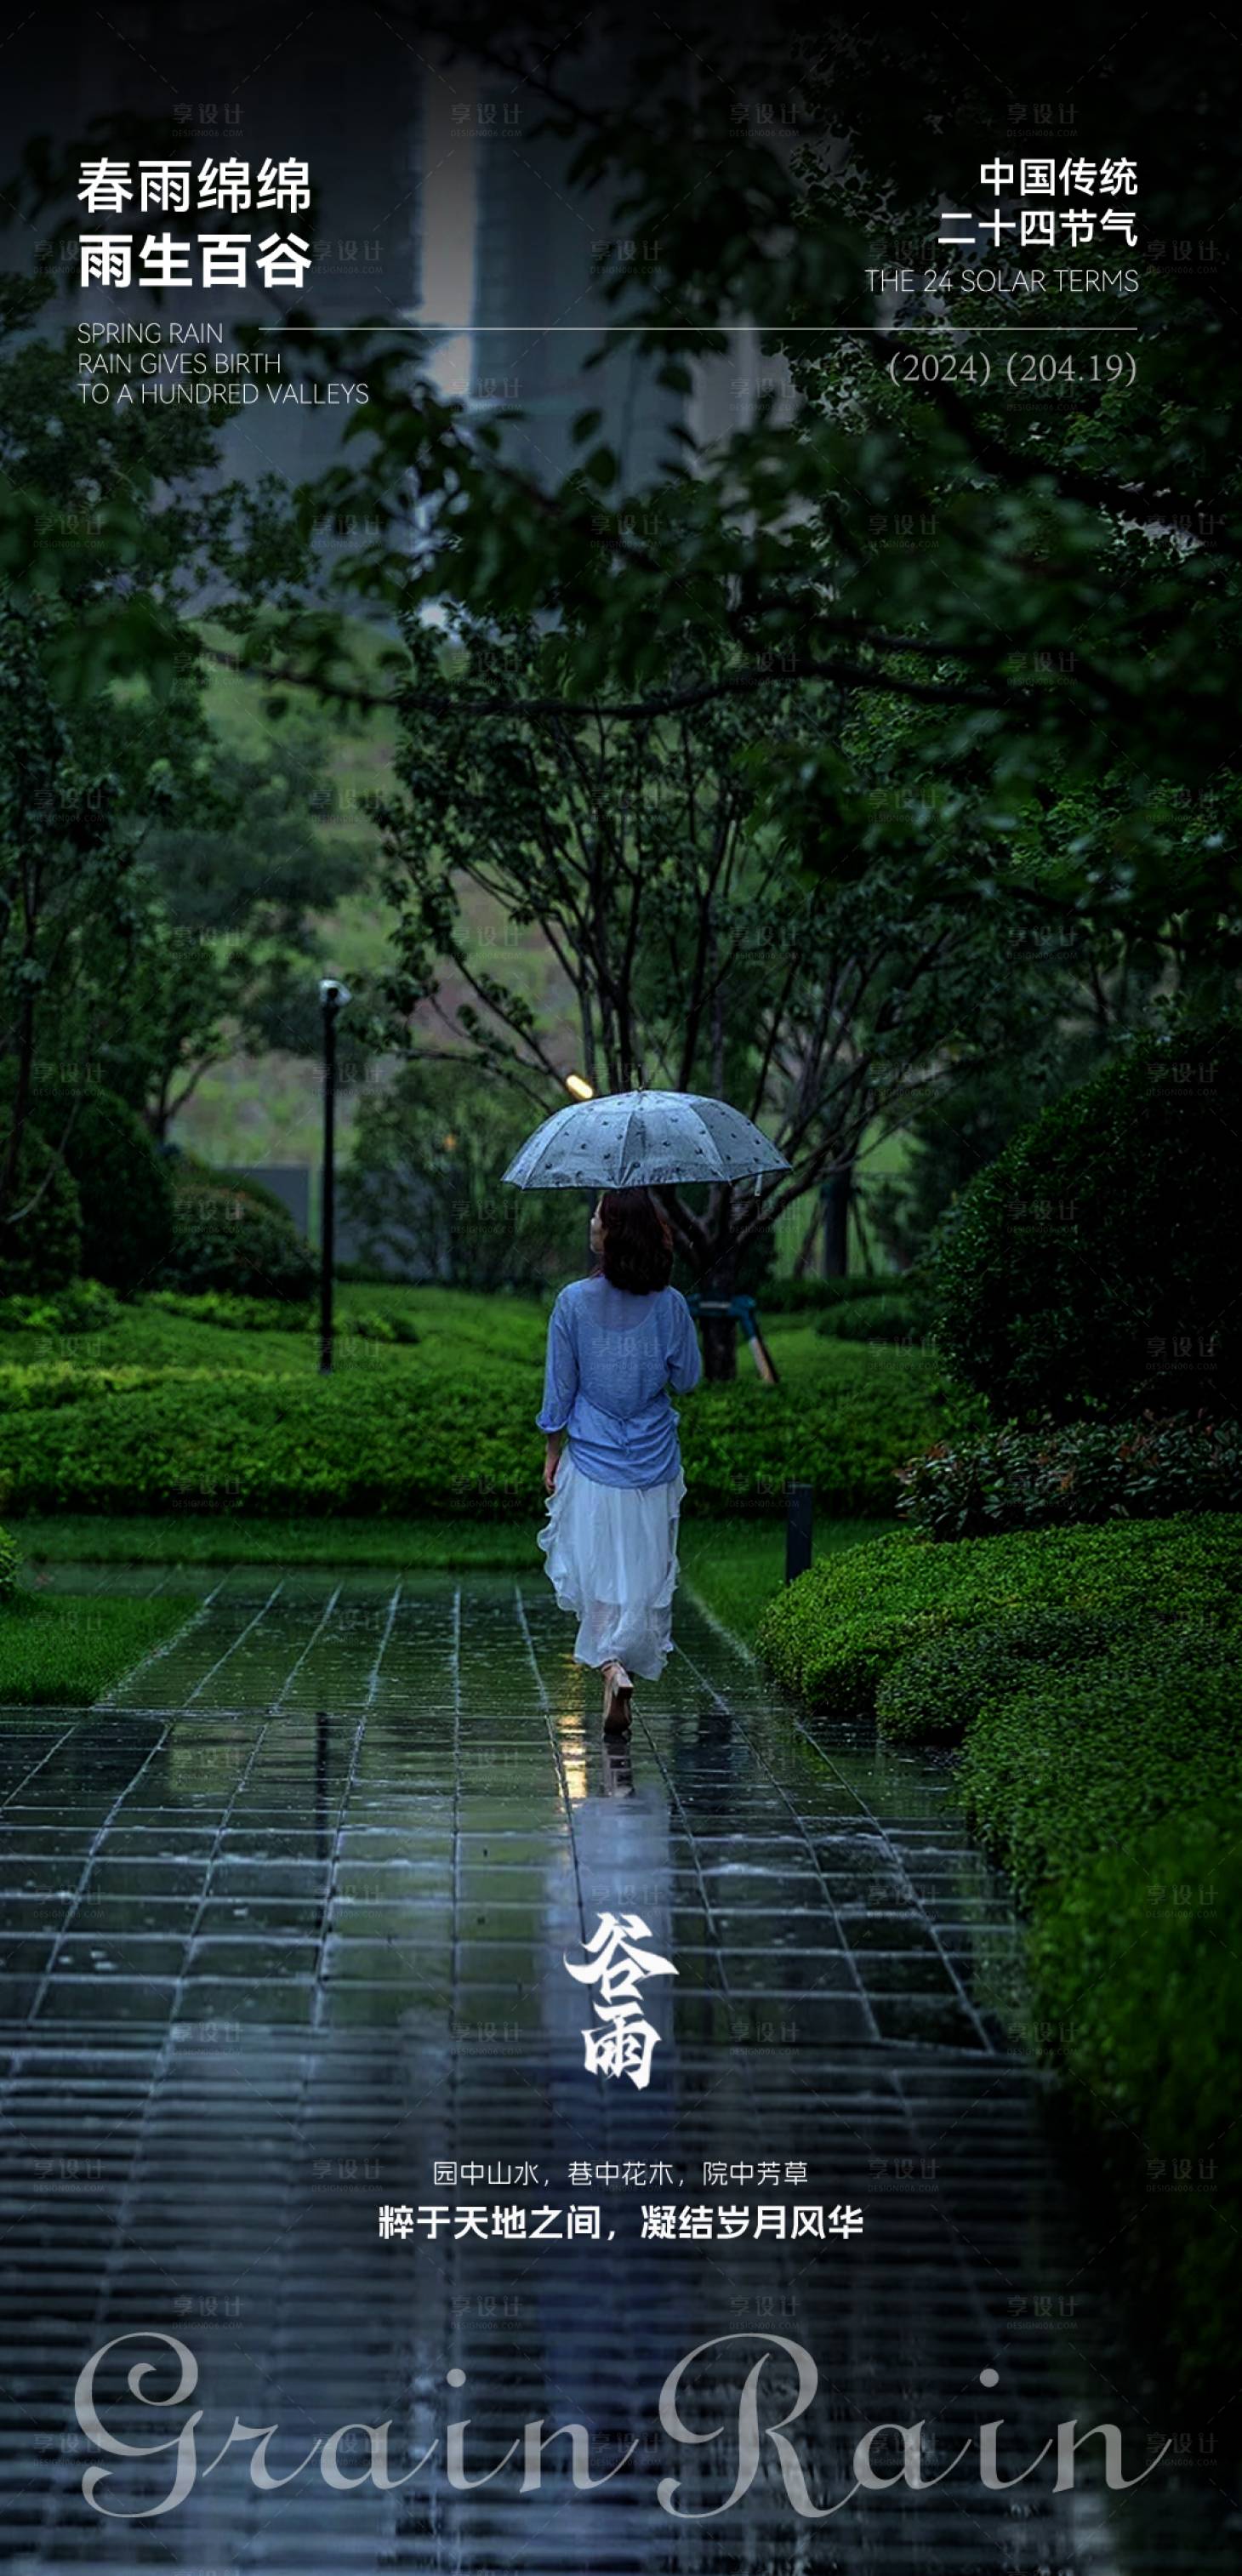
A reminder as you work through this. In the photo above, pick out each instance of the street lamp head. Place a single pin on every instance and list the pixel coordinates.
(332, 994)
(578, 1087)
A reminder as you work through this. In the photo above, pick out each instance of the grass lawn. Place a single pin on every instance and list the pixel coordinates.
(64, 1650)
(455, 1326)
(217, 1538)
(735, 1566)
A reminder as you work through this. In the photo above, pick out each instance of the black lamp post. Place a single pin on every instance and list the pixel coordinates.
(334, 997)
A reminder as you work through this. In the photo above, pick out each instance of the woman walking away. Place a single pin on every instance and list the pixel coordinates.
(616, 1343)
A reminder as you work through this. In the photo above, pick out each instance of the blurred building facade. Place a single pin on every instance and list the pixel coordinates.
(439, 205)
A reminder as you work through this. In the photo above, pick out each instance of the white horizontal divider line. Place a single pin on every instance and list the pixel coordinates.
(788, 330)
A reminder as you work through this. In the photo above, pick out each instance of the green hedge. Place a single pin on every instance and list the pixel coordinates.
(48, 1383)
(1112, 1797)
(1080, 1762)
(1094, 1671)
(9, 1562)
(848, 1432)
(397, 1432)
(931, 1694)
(902, 1317)
(84, 1306)
(832, 1634)
(1090, 1471)
(274, 1315)
(1136, 1967)
(816, 1296)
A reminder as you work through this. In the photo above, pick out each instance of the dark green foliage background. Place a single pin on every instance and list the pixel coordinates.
(969, 1486)
(226, 1238)
(1092, 1267)
(123, 1185)
(44, 1250)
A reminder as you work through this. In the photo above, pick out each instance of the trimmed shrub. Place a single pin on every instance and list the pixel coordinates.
(1111, 1795)
(226, 1440)
(1136, 1970)
(392, 1431)
(268, 1315)
(189, 1171)
(84, 1306)
(901, 1317)
(223, 1238)
(1103, 1727)
(40, 1253)
(816, 1296)
(832, 1634)
(234, 1314)
(1090, 1471)
(9, 1562)
(124, 1190)
(1092, 1266)
(48, 1383)
(847, 1435)
(932, 1694)
(1080, 1762)
(371, 1324)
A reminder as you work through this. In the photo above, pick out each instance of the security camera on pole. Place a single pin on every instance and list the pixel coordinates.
(333, 996)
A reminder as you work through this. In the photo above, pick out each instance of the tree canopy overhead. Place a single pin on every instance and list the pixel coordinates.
(690, 954)
(1050, 568)
(953, 643)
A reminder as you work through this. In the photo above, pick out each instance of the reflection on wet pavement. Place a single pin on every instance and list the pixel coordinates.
(285, 1925)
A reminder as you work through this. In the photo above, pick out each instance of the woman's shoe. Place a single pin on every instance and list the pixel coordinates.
(618, 1699)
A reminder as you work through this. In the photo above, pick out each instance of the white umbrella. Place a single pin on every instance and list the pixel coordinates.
(643, 1140)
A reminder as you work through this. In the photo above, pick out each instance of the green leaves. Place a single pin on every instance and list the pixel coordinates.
(835, 1631)
(1090, 1267)
(1086, 1471)
(253, 1430)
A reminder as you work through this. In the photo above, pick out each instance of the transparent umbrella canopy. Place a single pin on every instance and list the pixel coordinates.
(643, 1140)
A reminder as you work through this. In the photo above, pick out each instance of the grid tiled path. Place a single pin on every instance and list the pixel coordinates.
(287, 1922)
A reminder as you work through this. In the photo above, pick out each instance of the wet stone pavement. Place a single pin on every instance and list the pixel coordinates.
(285, 1922)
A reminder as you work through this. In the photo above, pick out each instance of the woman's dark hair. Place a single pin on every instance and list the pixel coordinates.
(638, 1242)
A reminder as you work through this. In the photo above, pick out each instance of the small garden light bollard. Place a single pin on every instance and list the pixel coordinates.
(334, 997)
(799, 1520)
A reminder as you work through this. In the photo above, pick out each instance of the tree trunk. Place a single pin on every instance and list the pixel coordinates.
(21, 1107)
(158, 1114)
(719, 1331)
(836, 1195)
(802, 1260)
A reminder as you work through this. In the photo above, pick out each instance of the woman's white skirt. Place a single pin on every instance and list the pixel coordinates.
(611, 1554)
